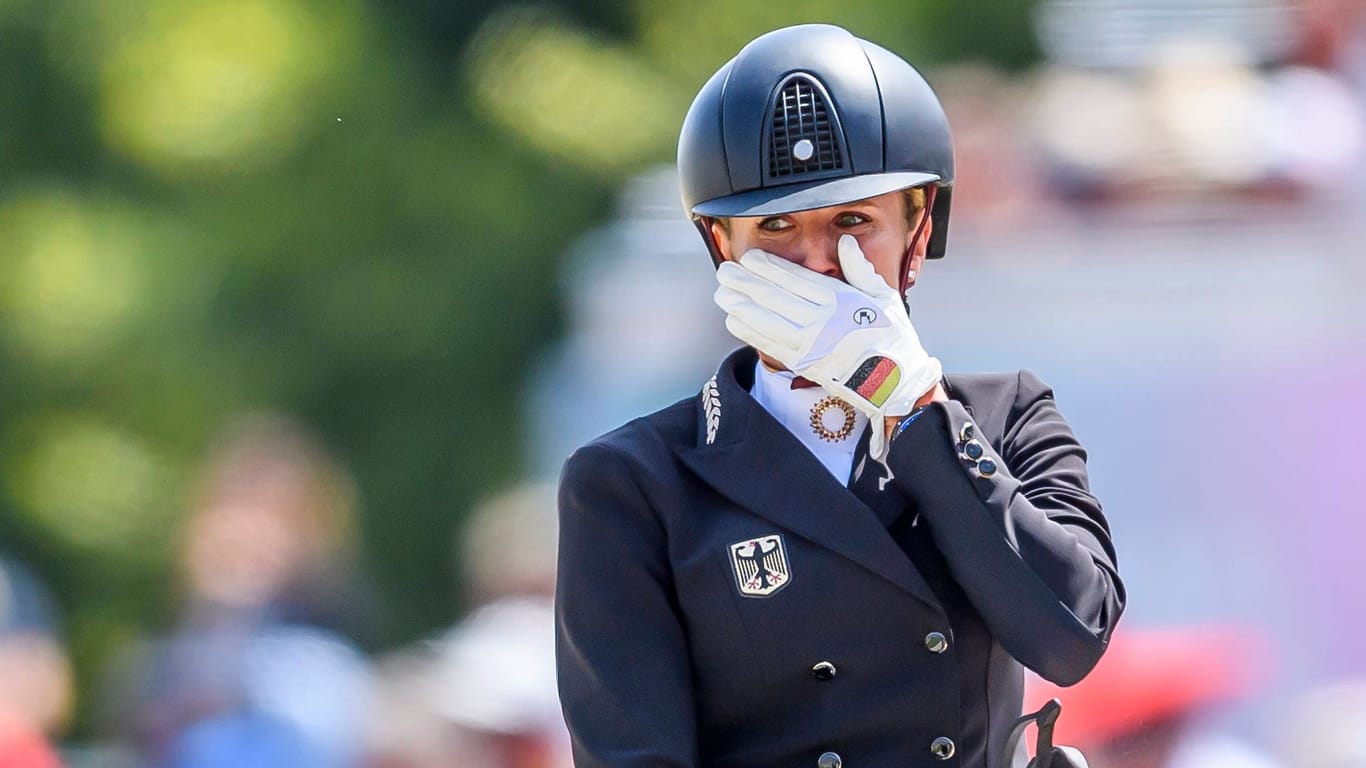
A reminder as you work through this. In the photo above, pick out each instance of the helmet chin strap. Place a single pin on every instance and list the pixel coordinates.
(906, 260)
(703, 224)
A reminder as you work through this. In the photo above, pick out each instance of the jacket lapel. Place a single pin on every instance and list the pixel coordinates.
(747, 456)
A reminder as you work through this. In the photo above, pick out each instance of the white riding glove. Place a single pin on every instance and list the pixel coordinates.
(854, 339)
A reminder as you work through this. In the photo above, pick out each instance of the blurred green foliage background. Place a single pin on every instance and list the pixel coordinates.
(348, 211)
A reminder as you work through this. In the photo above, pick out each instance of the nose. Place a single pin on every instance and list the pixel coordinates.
(818, 252)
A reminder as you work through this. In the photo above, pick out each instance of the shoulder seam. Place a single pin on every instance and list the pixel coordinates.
(622, 460)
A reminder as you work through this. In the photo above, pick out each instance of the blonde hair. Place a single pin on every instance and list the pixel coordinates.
(915, 200)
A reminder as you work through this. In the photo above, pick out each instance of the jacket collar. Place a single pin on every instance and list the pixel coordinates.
(750, 458)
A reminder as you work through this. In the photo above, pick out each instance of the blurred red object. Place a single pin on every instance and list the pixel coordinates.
(1148, 677)
(23, 746)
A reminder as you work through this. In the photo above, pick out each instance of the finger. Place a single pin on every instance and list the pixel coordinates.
(726, 298)
(729, 299)
(767, 294)
(768, 323)
(858, 271)
(753, 337)
(794, 278)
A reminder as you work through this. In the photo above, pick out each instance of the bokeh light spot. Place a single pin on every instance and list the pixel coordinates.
(92, 486)
(692, 40)
(71, 278)
(214, 84)
(581, 99)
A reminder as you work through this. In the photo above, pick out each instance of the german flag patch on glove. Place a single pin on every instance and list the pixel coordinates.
(875, 379)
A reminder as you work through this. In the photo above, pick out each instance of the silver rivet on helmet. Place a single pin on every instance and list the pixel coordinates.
(803, 150)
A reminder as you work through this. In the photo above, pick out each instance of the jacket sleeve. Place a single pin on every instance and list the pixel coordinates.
(1028, 543)
(624, 674)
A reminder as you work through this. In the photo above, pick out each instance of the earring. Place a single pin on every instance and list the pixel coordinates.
(910, 282)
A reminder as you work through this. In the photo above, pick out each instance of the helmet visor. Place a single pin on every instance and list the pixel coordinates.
(790, 198)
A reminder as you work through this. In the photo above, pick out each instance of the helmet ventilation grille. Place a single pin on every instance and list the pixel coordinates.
(803, 138)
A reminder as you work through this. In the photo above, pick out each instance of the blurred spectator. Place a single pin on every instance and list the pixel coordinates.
(257, 671)
(484, 693)
(508, 546)
(1198, 99)
(24, 746)
(35, 676)
(1145, 704)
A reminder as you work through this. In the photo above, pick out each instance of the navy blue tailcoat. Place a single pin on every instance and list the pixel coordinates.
(724, 601)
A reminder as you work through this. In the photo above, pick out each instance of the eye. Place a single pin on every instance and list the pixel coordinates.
(774, 224)
(851, 219)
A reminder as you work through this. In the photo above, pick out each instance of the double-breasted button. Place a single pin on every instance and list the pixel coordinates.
(936, 642)
(829, 760)
(986, 467)
(942, 748)
(966, 432)
(823, 670)
(973, 450)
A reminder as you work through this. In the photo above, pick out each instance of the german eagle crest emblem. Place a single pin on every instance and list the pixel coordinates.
(760, 565)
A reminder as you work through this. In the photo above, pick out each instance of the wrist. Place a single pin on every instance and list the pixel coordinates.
(898, 424)
(893, 425)
(935, 394)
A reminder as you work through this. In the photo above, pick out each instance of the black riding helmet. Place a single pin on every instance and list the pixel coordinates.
(810, 116)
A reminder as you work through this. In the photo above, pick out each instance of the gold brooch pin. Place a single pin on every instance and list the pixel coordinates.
(818, 419)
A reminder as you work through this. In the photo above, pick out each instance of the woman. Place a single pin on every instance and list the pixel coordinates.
(851, 573)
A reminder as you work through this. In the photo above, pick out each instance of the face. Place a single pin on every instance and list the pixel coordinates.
(810, 238)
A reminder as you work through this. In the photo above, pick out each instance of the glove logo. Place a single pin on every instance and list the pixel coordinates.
(865, 316)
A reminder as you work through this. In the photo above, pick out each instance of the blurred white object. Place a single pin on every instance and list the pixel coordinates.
(313, 680)
(1312, 126)
(1092, 123)
(1207, 99)
(1327, 727)
(495, 671)
(1214, 750)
